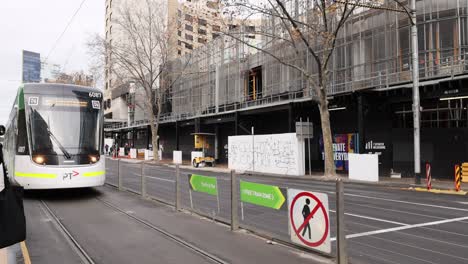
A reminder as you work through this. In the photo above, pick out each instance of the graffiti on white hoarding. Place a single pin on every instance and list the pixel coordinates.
(276, 153)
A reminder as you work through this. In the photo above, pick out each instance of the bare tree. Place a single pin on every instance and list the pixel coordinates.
(140, 54)
(295, 30)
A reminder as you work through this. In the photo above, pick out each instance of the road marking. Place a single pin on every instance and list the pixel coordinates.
(399, 228)
(24, 250)
(161, 179)
(373, 218)
(393, 252)
(462, 202)
(421, 248)
(397, 201)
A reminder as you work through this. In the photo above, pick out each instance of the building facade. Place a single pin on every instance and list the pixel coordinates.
(233, 88)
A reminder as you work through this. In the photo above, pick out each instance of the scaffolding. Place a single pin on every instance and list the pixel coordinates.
(372, 52)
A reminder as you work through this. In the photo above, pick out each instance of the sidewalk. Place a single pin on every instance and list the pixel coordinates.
(438, 185)
(215, 238)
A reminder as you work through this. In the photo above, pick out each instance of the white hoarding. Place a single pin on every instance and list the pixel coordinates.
(274, 153)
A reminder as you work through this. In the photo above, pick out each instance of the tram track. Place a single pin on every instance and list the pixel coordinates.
(73, 243)
(87, 259)
(174, 238)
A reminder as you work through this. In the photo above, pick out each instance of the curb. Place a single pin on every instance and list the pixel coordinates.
(438, 191)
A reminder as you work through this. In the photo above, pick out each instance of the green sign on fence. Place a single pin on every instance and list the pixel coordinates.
(204, 184)
(261, 194)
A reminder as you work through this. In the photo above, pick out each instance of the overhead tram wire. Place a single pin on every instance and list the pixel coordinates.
(64, 30)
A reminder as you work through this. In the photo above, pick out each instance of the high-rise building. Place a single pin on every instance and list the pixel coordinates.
(196, 23)
(31, 67)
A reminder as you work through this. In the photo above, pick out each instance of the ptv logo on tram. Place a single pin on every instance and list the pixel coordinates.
(70, 175)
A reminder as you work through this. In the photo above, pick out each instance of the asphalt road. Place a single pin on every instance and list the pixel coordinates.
(383, 225)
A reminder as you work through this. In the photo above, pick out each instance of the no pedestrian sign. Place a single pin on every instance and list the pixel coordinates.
(309, 222)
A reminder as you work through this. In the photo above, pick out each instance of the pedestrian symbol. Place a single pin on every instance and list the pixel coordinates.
(305, 214)
(309, 223)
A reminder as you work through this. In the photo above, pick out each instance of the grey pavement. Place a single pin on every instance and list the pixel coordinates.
(383, 225)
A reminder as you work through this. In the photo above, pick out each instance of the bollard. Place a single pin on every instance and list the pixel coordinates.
(234, 202)
(458, 177)
(177, 188)
(428, 176)
(143, 180)
(342, 257)
(119, 176)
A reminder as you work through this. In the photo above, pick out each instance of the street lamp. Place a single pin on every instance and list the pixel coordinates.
(416, 99)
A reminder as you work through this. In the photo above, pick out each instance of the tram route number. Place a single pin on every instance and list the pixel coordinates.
(70, 175)
(95, 95)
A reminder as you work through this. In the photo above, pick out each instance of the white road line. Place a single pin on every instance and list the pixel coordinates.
(397, 201)
(399, 228)
(373, 218)
(462, 202)
(394, 253)
(161, 179)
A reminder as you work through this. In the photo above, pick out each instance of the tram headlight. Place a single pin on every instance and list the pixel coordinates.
(39, 159)
(94, 158)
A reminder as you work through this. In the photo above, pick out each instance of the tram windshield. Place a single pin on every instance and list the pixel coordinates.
(64, 126)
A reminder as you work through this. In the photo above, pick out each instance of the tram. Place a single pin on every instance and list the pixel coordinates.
(54, 137)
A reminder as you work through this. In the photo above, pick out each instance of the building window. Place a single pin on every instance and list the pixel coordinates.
(253, 84)
(232, 27)
(188, 46)
(215, 35)
(201, 31)
(179, 52)
(202, 22)
(188, 37)
(188, 17)
(201, 40)
(179, 13)
(188, 27)
(216, 28)
(179, 33)
(179, 43)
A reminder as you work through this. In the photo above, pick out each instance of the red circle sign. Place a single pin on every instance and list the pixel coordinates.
(317, 207)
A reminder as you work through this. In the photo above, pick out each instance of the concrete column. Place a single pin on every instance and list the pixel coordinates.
(291, 119)
(197, 125)
(148, 136)
(236, 123)
(361, 123)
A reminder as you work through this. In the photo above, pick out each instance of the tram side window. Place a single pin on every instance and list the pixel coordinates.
(22, 147)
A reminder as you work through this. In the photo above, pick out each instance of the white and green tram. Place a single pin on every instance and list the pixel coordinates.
(54, 137)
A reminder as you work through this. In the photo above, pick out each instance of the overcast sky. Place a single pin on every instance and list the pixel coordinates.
(35, 25)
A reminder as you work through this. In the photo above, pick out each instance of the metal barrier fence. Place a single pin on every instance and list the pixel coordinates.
(217, 196)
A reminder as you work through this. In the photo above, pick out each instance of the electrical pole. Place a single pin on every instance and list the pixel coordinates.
(416, 100)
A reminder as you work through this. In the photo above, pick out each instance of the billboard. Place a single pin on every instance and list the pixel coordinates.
(342, 145)
(31, 67)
